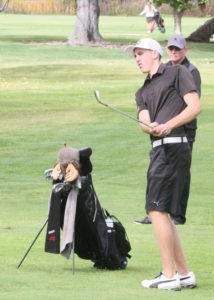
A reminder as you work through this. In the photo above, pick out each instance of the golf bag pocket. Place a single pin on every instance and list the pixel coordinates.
(117, 245)
(121, 237)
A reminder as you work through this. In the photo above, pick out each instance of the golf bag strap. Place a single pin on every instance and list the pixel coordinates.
(52, 242)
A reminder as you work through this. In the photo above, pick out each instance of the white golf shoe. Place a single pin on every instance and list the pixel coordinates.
(164, 283)
(188, 281)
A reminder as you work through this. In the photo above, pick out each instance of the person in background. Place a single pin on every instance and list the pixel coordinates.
(149, 11)
(166, 101)
(176, 50)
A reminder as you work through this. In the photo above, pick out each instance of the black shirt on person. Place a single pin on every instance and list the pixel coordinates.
(191, 127)
(162, 95)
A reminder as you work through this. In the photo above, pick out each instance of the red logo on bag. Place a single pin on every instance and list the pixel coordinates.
(52, 236)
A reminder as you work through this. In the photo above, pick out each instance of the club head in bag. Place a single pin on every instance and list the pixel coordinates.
(48, 174)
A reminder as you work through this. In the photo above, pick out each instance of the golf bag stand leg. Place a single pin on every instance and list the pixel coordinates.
(73, 245)
(28, 250)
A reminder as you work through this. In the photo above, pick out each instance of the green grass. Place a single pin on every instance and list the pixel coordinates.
(47, 100)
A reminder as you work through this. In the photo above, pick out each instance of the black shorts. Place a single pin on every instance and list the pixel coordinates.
(150, 19)
(168, 180)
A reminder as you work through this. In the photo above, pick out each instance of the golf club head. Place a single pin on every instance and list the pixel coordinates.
(97, 96)
(48, 174)
(58, 187)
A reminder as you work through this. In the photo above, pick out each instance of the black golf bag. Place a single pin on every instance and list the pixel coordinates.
(98, 236)
(160, 22)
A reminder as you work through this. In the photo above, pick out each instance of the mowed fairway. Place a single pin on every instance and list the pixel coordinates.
(46, 100)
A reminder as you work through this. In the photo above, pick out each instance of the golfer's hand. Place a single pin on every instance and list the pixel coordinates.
(56, 172)
(152, 128)
(161, 130)
(71, 173)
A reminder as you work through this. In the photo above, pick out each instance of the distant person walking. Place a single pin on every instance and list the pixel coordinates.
(149, 11)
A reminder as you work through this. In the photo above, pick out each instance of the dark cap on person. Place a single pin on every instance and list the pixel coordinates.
(146, 43)
(177, 40)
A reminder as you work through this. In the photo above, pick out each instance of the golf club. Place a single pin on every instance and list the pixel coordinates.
(97, 96)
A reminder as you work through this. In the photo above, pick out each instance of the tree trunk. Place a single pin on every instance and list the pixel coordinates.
(3, 5)
(86, 23)
(203, 33)
(177, 20)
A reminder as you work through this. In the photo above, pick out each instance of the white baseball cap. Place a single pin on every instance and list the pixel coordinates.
(146, 43)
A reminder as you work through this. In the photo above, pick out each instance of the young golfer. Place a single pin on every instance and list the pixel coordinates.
(176, 50)
(167, 100)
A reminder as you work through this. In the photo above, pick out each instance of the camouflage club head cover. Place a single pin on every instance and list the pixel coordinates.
(67, 163)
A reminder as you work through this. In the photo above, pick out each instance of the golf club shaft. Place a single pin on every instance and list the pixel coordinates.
(118, 110)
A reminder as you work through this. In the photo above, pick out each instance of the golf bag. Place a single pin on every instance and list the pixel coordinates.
(160, 22)
(98, 236)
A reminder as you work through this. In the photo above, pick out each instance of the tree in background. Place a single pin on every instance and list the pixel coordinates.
(3, 5)
(86, 27)
(203, 33)
(179, 7)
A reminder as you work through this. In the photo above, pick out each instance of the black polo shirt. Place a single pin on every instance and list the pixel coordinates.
(193, 70)
(162, 95)
(191, 127)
